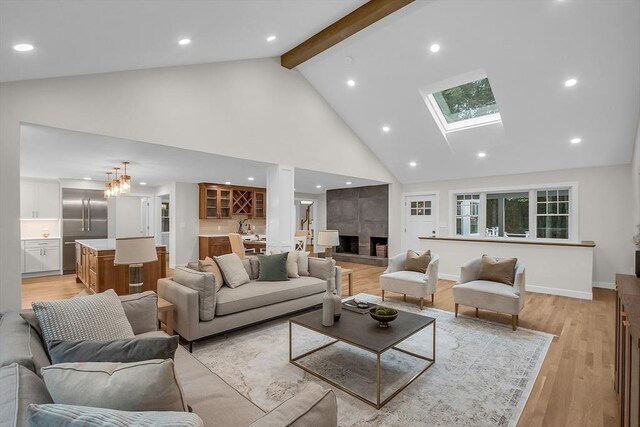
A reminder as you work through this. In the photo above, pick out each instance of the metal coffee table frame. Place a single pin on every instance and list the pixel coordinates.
(376, 404)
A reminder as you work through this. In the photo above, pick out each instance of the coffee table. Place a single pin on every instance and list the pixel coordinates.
(360, 330)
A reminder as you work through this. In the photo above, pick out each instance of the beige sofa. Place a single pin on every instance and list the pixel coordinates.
(210, 397)
(247, 304)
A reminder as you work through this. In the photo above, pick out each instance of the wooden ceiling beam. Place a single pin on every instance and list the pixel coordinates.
(359, 19)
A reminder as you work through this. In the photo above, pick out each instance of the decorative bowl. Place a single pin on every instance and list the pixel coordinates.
(383, 315)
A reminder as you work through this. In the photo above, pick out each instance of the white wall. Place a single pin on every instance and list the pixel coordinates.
(252, 109)
(186, 220)
(635, 179)
(605, 210)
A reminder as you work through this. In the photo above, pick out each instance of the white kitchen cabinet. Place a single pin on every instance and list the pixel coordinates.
(41, 255)
(39, 199)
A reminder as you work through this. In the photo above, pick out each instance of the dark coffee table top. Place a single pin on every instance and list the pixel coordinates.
(362, 331)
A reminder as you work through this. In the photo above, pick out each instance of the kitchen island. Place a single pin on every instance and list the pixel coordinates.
(95, 268)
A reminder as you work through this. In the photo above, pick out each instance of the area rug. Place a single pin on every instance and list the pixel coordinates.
(483, 375)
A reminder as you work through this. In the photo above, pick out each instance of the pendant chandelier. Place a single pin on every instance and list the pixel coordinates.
(119, 184)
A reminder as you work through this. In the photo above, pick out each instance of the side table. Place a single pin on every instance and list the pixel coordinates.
(349, 272)
(168, 308)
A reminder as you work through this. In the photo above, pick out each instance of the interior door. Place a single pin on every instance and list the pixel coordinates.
(420, 219)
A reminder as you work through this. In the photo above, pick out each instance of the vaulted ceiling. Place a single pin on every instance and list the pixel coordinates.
(527, 48)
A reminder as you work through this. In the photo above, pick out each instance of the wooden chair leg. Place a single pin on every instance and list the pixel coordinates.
(477, 314)
(514, 321)
(456, 309)
(421, 303)
(405, 297)
(383, 295)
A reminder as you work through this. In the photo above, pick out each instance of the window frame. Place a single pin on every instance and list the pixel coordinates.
(573, 216)
(447, 127)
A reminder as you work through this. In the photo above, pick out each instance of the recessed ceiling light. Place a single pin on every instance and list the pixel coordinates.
(576, 140)
(351, 83)
(434, 47)
(251, 178)
(23, 47)
(482, 154)
(143, 183)
(86, 178)
(318, 186)
(227, 183)
(348, 182)
(413, 164)
(271, 38)
(386, 129)
(184, 42)
(570, 82)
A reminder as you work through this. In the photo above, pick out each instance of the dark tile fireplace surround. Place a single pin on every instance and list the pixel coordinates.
(361, 216)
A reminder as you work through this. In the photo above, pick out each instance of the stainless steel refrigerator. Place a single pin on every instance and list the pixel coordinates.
(84, 216)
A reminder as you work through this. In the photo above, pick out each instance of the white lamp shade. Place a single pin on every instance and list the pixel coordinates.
(328, 238)
(135, 250)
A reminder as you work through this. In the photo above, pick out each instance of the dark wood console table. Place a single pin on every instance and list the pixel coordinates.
(627, 350)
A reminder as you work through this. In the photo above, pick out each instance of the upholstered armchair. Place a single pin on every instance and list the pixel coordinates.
(396, 279)
(488, 295)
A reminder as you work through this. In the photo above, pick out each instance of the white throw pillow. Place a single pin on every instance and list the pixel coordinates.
(233, 270)
(92, 317)
(303, 263)
(292, 265)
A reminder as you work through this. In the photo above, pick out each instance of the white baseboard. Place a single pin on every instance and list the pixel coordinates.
(604, 285)
(544, 289)
(560, 292)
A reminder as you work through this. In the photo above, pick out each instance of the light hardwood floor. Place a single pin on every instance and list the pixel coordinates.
(575, 384)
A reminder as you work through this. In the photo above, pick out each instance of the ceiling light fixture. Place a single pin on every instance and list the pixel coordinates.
(184, 42)
(86, 178)
(251, 178)
(482, 154)
(576, 140)
(107, 186)
(434, 48)
(125, 180)
(143, 183)
(227, 183)
(413, 164)
(271, 38)
(386, 129)
(318, 186)
(348, 182)
(23, 47)
(115, 184)
(570, 82)
(351, 83)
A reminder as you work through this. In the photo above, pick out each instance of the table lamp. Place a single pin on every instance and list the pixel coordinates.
(135, 251)
(328, 239)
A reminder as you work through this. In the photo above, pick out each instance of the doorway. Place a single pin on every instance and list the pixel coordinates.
(420, 218)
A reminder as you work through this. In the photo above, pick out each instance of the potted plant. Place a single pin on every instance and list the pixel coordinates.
(636, 240)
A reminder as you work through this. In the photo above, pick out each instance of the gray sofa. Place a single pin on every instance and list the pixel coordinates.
(216, 402)
(247, 304)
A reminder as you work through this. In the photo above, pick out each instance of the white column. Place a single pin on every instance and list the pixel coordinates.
(281, 215)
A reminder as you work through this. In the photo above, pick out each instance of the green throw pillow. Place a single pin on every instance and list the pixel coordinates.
(273, 268)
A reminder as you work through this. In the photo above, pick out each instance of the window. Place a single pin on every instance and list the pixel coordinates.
(508, 214)
(469, 105)
(467, 213)
(538, 213)
(421, 208)
(552, 219)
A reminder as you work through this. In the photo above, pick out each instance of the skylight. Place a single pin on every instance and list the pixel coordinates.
(465, 106)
